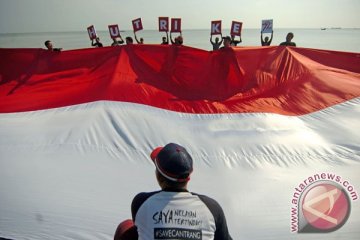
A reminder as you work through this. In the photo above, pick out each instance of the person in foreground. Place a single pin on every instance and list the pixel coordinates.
(288, 41)
(174, 212)
(49, 46)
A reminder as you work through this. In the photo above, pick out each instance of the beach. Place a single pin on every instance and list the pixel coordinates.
(346, 40)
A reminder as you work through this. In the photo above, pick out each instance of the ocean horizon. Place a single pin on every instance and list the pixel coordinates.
(336, 39)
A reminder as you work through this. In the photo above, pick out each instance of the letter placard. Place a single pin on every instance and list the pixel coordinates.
(163, 24)
(176, 25)
(114, 31)
(236, 28)
(215, 27)
(92, 32)
(267, 26)
(137, 24)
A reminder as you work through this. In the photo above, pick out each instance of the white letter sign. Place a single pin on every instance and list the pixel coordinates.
(163, 24)
(91, 32)
(215, 27)
(176, 25)
(114, 31)
(267, 26)
(236, 28)
(137, 24)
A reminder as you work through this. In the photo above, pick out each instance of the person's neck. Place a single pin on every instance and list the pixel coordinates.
(174, 189)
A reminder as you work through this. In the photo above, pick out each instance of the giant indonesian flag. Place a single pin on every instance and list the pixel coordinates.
(265, 126)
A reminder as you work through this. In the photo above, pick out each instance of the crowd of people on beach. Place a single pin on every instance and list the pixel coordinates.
(227, 42)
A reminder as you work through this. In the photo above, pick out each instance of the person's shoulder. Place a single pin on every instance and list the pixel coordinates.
(145, 194)
(138, 201)
(142, 197)
(214, 207)
(291, 44)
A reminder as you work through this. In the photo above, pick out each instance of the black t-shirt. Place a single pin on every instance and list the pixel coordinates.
(263, 43)
(117, 43)
(178, 215)
(234, 43)
(97, 44)
(288, 44)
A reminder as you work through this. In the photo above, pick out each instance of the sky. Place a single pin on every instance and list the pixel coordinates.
(19, 16)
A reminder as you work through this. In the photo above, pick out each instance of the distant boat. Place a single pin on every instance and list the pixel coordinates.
(323, 28)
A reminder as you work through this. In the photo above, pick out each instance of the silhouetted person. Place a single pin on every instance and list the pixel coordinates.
(235, 42)
(226, 42)
(97, 42)
(178, 40)
(266, 41)
(116, 42)
(50, 47)
(141, 39)
(288, 41)
(129, 40)
(165, 40)
(216, 45)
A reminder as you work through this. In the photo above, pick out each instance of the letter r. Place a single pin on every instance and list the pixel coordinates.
(163, 24)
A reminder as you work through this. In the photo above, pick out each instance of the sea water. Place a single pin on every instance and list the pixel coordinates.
(330, 39)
